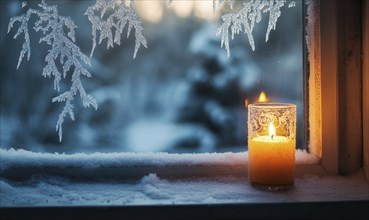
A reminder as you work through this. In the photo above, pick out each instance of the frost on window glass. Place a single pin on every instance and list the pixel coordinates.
(63, 50)
(156, 69)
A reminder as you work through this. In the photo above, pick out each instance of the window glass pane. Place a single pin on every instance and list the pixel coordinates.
(181, 94)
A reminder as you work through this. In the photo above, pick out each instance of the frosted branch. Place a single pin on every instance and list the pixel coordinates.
(53, 27)
(23, 19)
(250, 14)
(111, 27)
(218, 3)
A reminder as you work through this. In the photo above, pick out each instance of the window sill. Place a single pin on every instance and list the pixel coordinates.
(313, 197)
(211, 186)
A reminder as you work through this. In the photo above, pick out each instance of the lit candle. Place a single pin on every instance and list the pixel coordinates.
(271, 145)
(262, 97)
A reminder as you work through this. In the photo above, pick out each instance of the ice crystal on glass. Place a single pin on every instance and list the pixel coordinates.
(245, 19)
(218, 3)
(110, 25)
(58, 32)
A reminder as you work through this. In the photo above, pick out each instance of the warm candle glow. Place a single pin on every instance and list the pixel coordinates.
(246, 103)
(271, 161)
(271, 155)
(263, 97)
(271, 131)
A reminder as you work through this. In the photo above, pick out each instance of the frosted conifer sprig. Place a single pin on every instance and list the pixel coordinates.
(23, 19)
(218, 3)
(111, 27)
(245, 19)
(63, 51)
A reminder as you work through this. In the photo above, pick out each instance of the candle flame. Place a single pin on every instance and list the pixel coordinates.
(263, 97)
(246, 103)
(271, 130)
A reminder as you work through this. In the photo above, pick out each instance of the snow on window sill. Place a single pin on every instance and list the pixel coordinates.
(20, 164)
(91, 179)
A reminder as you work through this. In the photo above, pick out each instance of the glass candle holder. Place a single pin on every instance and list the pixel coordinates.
(271, 145)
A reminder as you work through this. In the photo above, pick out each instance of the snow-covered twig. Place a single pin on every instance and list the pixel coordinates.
(63, 50)
(247, 17)
(111, 27)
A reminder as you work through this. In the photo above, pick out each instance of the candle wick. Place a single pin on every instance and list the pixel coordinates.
(272, 136)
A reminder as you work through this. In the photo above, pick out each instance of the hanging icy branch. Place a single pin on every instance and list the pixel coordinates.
(274, 14)
(23, 19)
(218, 3)
(247, 17)
(111, 27)
(53, 27)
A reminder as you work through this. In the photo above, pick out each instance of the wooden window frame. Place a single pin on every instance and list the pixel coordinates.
(365, 59)
(338, 86)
